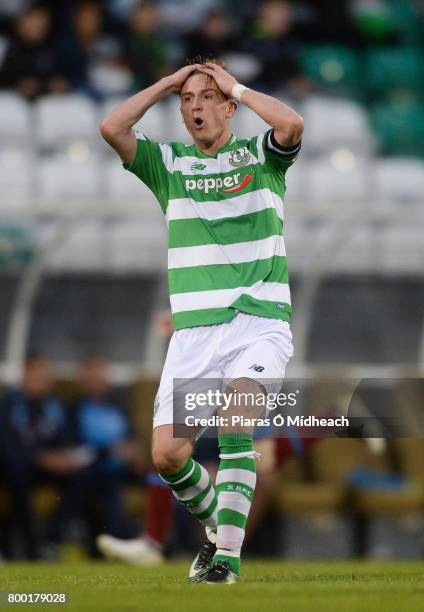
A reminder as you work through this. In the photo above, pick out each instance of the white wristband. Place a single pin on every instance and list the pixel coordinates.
(237, 91)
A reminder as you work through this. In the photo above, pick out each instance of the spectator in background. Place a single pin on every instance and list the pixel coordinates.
(214, 37)
(100, 424)
(89, 56)
(271, 41)
(31, 64)
(329, 22)
(34, 448)
(185, 15)
(147, 49)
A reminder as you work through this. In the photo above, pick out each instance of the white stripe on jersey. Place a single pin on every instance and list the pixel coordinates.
(207, 254)
(223, 298)
(243, 204)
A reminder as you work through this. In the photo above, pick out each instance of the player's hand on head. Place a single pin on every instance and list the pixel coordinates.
(224, 80)
(178, 79)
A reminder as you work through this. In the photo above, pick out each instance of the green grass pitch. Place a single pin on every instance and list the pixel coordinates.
(265, 586)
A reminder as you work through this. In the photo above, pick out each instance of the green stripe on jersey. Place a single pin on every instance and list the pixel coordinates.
(227, 276)
(232, 230)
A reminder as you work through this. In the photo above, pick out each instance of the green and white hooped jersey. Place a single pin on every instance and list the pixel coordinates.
(225, 226)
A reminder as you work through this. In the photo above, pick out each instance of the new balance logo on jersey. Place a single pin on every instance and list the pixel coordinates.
(197, 166)
(257, 368)
(231, 183)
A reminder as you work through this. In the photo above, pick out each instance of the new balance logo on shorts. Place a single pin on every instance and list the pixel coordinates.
(257, 368)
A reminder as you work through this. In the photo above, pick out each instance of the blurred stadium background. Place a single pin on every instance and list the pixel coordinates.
(83, 244)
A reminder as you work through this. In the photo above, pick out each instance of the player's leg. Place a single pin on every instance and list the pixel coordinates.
(191, 484)
(235, 483)
(258, 350)
(187, 364)
(188, 479)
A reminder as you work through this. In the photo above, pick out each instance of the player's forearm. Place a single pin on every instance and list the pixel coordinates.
(288, 124)
(124, 116)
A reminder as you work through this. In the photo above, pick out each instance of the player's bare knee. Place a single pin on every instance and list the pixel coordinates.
(164, 461)
(246, 385)
(247, 401)
(169, 455)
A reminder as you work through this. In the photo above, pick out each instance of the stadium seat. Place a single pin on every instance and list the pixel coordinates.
(321, 498)
(121, 184)
(128, 192)
(154, 124)
(403, 248)
(62, 120)
(297, 182)
(15, 177)
(61, 177)
(334, 459)
(339, 180)
(243, 66)
(246, 123)
(389, 502)
(399, 128)
(334, 68)
(15, 121)
(307, 497)
(108, 105)
(399, 180)
(410, 453)
(394, 68)
(84, 249)
(110, 79)
(334, 123)
(388, 508)
(138, 245)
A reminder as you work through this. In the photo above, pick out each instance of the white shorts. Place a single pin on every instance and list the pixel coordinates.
(248, 346)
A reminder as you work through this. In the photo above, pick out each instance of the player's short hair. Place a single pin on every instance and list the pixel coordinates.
(205, 59)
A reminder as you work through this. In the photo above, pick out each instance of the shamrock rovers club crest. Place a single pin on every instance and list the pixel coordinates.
(239, 157)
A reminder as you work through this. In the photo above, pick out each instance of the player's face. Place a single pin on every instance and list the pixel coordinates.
(204, 108)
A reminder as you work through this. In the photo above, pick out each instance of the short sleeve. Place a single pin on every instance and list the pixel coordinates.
(281, 158)
(148, 165)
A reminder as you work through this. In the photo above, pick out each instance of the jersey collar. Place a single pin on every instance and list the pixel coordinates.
(227, 147)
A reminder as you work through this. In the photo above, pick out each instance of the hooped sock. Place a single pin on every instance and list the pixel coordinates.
(235, 487)
(193, 487)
